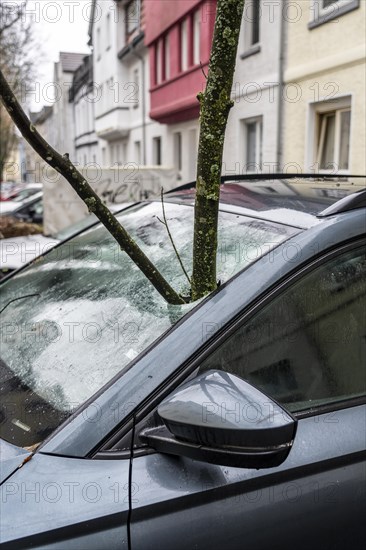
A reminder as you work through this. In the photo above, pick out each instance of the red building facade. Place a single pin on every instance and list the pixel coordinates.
(178, 34)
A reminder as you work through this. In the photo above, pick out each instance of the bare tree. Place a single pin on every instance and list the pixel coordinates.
(16, 63)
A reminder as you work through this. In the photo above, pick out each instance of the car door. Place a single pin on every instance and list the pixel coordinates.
(304, 346)
(58, 502)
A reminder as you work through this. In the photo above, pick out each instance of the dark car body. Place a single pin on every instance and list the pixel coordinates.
(288, 320)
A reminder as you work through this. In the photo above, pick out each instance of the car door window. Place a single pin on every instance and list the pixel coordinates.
(307, 346)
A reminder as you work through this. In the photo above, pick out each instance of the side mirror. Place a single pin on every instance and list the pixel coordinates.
(219, 418)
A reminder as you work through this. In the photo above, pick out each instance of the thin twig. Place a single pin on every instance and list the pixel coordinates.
(165, 222)
(203, 71)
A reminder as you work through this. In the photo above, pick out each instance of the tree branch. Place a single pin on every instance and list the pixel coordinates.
(165, 222)
(65, 167)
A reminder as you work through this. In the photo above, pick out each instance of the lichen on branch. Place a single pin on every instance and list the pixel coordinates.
(215, 105)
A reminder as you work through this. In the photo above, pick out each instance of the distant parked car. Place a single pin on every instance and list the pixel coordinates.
(237, 421)
(15, 252)
(16, 193)
(28, 210)
(8, 189)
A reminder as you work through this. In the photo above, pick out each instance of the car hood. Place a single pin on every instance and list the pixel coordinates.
(11, 458)
(18, 251)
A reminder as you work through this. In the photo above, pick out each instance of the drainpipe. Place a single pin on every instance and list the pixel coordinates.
(280, 90)
(141, 58)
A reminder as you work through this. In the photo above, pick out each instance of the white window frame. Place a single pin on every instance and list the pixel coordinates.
(334, 7)
(184, 45)
(196, 37)
(258, 121)
(320, 14)
(313, 134)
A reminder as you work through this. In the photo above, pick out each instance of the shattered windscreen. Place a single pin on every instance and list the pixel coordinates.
(75, 318)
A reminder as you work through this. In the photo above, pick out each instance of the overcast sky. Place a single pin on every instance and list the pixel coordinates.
(60, 26)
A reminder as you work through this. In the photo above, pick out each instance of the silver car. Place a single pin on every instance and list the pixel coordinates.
(238, 421)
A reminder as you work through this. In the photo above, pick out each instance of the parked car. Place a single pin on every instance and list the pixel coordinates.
(28, 210)
(8, 189)
(238, 420)
(19, 193)
(16, 252)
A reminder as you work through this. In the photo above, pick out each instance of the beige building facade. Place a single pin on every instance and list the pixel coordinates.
(324, 93)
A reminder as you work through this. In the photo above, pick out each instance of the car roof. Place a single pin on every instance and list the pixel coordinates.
(298, 202)
(29, 200)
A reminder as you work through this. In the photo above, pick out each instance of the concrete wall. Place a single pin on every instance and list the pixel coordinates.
(63, 207)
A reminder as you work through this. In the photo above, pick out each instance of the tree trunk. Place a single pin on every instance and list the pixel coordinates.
(215, 106)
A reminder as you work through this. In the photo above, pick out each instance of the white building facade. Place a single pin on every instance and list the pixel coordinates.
(253, 136)
(82, 97)
(63, 135)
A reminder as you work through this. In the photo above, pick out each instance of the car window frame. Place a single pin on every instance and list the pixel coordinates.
(277, 291)
(144, 412)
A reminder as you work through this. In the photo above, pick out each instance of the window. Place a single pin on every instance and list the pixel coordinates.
(157, 151)
(178, 151)
(196, 37)
(112, 155)
(333, 139)
(184, 46)
(192, 152)
(254, 37)
(158, 63)
(253, 132)
(166, 64)
(162, 60)
(323, 11)
(138, 152)
(252, 11)
(136, 80)
(132, 17)
(108, 31)
(98, 44)
(307, 346)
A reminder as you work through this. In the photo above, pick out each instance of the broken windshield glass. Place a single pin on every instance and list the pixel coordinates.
(90, 311)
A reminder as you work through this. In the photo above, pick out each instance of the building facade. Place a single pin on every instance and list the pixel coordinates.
(82, 97)
(298, 90)
(63, 128)
(324, 127)
(253, 141)
(120, 74)
(178, 36)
